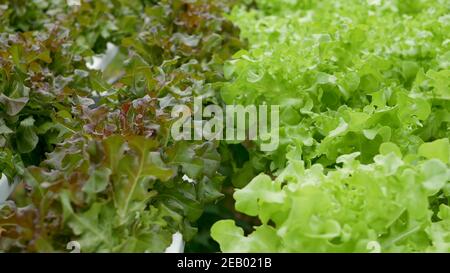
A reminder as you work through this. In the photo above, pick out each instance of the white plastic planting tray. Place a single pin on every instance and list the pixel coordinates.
(5, 188)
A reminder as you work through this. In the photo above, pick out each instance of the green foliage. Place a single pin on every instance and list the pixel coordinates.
(390, 202)
(364, 95)
(354, 79)
(348, 76)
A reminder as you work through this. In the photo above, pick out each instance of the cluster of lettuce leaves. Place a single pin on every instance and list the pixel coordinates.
(363, 87)
(90, 150)
(364, 95)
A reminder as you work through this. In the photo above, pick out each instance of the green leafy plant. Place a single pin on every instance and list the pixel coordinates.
(391, 205)
(354, 79)
(363, 163)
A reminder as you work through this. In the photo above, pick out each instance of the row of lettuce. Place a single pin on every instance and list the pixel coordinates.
(364, 154)
(91, 149)
(363, 161)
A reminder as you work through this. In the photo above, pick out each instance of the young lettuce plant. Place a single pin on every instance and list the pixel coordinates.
(116, 183)
(396, 204)
(359, 84)
(346, 82)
